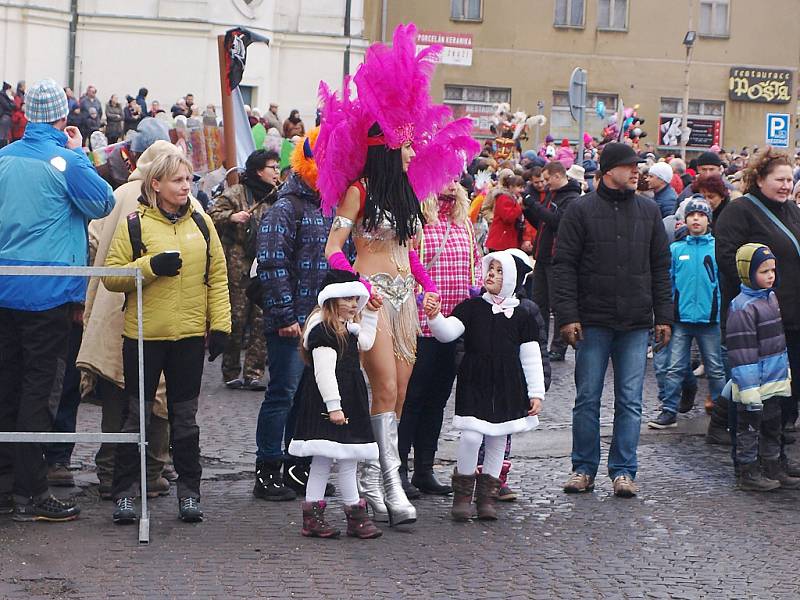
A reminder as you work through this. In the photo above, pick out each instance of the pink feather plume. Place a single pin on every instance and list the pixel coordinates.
(393, 87)
(341, 148)
(442, 157)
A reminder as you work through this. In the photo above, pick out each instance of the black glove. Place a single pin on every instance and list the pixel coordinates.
(217, 342)
(167, 264)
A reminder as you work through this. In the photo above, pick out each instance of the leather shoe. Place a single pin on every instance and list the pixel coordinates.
(427, 483)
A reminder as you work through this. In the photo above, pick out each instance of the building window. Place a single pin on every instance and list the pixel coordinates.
(705, 121)
(612, 15)
(476, 102)
(562, 125)
(466, 10)
(569, 13)
(714, 18)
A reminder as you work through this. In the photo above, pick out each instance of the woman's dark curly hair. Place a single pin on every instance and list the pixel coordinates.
(389, 193)
(762, 164)
(712, 184)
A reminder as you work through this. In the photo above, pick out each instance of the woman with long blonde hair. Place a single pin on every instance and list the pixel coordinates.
(451, 255)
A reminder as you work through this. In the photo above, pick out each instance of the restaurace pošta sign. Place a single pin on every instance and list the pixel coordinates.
(754, 84)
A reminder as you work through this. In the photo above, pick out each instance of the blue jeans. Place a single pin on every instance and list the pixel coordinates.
(285, 370)
(710, 344)
(661, 361)
(628, 353)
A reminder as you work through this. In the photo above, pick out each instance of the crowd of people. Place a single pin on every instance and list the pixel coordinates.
(117, 120)
(399, 249)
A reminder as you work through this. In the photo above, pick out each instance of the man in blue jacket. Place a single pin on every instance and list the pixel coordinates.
(48, 193)
(696, 297)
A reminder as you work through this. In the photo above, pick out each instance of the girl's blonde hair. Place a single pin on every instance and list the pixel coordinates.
(163, 167)
(459, 214)
(329, 318)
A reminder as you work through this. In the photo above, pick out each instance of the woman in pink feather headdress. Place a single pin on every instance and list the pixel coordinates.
(376, 156)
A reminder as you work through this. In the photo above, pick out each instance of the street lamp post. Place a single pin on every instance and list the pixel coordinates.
(688, 41)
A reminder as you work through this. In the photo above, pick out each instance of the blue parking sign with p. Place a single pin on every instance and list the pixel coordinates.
(778, 130)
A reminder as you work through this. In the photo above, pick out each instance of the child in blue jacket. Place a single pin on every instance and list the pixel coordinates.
(696, 296)
(759, 372)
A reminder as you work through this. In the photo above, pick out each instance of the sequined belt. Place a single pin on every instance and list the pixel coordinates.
(395, 290)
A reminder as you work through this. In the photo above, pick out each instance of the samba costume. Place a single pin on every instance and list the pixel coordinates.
(360, 145)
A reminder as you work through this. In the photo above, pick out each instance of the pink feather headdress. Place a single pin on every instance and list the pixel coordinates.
(393, 87)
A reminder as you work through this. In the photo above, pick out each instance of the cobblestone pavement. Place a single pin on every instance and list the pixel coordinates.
(688, 534)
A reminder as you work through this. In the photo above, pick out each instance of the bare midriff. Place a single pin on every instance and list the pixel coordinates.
(381, 256)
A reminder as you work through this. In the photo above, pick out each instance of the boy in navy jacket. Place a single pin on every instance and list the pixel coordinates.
(696, 297)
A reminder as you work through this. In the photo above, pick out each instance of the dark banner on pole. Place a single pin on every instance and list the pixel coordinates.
(236, 42)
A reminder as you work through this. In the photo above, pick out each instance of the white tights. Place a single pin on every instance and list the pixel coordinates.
(321, 471)
(468, 449)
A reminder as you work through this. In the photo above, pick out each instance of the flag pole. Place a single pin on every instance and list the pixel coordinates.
(229, 131)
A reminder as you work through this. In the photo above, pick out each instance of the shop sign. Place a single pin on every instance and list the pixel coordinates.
(703, 133)
(481, 115)
(754, 84)
(456, 47)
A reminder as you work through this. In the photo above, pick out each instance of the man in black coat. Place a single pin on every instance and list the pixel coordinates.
(611, 276)
(545, 217)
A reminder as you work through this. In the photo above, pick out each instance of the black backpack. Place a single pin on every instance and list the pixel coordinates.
(138, 247)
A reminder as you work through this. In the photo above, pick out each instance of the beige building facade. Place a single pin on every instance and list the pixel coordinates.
(744, 62)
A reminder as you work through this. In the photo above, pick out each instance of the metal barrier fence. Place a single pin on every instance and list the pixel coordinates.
(119, 438)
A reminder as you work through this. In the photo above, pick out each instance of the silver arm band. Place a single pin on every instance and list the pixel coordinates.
(340, 222)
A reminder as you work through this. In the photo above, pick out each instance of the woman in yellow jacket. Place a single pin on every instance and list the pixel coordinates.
(185, 290)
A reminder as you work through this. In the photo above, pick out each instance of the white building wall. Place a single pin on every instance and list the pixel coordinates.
(170, 47)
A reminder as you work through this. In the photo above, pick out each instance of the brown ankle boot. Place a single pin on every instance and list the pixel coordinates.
(314, 523)
(773, 469)
(463, 487)
(358, 522)
(486, 490)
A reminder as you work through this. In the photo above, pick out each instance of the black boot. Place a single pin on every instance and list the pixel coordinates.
(718, 425)
(773, 469)
(752, 479)
(688, 394)
(412, 493)
(425, 480)
(269, 485)
(295, 476)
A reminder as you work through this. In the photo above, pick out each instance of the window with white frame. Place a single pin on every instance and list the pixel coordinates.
(466, 10)
(612, 15)
(476, 102)
(714, 18)
(569, 13)
(697, 108)
(562, 125)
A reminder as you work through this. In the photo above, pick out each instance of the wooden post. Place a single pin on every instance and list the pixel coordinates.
(229, 129)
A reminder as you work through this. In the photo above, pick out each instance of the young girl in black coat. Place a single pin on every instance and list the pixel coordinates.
(333, 420)
(500, 381)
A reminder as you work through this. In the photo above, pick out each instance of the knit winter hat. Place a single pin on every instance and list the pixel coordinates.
(709, 158)
(46, 102)
(748, 258)
(663, 171)
(149, 131)
(698, 204)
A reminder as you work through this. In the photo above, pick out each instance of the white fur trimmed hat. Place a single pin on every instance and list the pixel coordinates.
(339, 283)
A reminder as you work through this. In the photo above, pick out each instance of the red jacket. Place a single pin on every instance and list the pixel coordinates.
(503, 232)
(18, 119)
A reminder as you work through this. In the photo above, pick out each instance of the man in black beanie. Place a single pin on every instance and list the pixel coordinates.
(612, 281)
(708, 164)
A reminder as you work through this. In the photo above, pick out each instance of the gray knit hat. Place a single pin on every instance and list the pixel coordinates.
(149, 131)
(46, 102)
